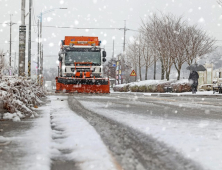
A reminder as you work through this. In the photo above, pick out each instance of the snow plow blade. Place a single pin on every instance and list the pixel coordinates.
(80, 85)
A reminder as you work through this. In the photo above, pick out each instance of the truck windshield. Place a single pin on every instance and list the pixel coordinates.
(83, 56)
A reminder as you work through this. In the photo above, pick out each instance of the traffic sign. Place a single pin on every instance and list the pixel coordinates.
(133, 73)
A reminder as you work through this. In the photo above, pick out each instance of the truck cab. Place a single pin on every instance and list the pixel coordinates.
(80, 56)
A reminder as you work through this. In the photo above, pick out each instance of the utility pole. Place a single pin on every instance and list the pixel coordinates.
(22, 41)
(113, 49)
(42, 66)
(124, 38)
(15, 62)
(40, 46)
(118, 66)
(29, 43)
(38, 57)
(10, 41)
(124, 41)
(124, 52)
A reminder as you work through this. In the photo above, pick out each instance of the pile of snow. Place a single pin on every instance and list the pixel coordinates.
(155, 86)
(15, 117)
(145, 83)
(20, 95)
(182, 81)
(3, 139)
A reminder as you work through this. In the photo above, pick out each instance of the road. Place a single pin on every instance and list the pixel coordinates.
(152, 132)
(115, 131)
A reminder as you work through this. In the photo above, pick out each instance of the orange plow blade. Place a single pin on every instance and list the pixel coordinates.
(80, 85)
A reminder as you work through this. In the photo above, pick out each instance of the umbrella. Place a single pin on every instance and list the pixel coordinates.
(196, 67)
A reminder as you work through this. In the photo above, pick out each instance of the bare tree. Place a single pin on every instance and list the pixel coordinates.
(199, 44)
(174, 42)
(161, 32)
(134, 53)
(219, 2)
(148, 54)
(149, 31)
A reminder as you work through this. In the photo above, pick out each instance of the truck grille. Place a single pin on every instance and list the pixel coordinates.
(81, 69)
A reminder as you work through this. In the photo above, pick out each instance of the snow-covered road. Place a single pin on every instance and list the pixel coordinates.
(123, 131)
(196, 139)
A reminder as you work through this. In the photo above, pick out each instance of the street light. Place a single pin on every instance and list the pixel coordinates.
(40, 46)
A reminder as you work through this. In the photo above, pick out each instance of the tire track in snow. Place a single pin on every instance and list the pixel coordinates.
(132, 149)
(75, 143)
(59, 158)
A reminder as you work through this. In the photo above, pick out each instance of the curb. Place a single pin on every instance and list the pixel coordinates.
(187, 95)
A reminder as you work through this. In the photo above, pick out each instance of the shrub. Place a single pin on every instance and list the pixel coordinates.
(121, 89)
(178, 88)
(160, 88)
(142, 88)
(134, 88)
(125, 88)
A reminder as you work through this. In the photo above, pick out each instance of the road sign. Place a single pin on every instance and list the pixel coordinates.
(133, 73)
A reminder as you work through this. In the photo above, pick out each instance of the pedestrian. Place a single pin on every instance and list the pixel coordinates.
(193, 79)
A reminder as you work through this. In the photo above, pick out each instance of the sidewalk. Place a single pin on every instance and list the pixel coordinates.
(12, 152)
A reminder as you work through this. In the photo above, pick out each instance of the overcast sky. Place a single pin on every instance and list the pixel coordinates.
(101, 14)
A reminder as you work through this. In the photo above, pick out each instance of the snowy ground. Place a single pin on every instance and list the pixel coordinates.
(60, 134)
(195, 139)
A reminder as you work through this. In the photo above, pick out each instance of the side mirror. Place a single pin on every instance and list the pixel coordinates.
(104, 53)
(60, 58)
(60, 55)
(104, 60)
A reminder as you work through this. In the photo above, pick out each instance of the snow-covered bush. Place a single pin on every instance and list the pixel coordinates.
(158, 86)
(181, 86)
(20, 95)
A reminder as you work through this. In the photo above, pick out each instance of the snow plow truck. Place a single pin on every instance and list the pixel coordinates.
(80, 66)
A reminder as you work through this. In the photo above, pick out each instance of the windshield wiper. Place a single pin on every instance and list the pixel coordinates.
(96, 64)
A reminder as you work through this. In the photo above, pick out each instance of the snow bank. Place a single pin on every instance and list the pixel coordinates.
(157, 86)
(15, 117)
(4, 140)
(19, 95)
(182, 81)
(145, 82)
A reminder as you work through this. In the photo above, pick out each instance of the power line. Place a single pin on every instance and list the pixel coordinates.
(51, 26)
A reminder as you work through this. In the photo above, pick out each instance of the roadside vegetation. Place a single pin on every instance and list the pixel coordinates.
(158, 86)
(20, 97)
(165, 39)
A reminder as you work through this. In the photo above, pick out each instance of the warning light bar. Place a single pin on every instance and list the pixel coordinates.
(83, 42)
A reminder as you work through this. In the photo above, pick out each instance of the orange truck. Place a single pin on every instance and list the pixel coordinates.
(80, 66)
